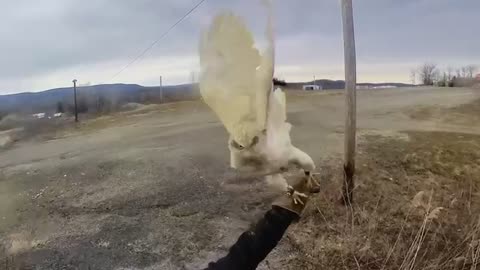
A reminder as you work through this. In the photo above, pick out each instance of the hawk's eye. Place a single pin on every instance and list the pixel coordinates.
(236, 145)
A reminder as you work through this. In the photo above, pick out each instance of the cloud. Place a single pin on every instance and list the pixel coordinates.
(46, 44)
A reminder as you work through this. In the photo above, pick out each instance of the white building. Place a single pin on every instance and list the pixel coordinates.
(311, 87)
(385, 87)
(361, 86)
(39, 115)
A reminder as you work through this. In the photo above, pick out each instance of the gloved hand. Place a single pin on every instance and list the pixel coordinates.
(301, 183)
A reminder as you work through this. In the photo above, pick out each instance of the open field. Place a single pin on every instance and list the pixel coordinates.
(151, 188)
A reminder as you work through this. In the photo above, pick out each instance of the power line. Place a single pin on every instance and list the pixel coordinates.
(160, 38)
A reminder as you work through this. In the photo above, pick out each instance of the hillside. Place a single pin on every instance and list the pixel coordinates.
(110, 96)
(91, 96)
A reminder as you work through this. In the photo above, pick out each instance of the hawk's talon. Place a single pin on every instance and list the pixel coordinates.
(296, 196)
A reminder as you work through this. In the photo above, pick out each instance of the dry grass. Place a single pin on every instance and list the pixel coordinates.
(417, 206)
(25, 129)
(472, 108)
(128, 117)
(463, 114)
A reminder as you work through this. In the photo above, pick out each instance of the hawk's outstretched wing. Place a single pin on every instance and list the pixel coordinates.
(236, 79)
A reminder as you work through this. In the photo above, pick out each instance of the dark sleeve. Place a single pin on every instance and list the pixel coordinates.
(255, 244)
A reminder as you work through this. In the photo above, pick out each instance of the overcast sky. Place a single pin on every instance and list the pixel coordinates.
(45, 44)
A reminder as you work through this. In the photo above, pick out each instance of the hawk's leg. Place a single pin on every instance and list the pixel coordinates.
(312, 183)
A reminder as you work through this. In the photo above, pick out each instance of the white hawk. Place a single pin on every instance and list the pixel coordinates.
(236, 83)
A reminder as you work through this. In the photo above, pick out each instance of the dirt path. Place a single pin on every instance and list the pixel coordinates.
(152, 189)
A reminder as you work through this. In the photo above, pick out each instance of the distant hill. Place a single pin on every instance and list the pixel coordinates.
(92, 96)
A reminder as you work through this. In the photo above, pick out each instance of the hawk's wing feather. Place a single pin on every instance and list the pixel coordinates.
(235, 79)
(278, 141)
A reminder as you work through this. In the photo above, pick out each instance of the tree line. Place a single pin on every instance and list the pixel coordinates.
(431, 74)
(97, 104)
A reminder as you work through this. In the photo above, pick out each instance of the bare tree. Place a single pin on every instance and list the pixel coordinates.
(449, 73)
(428, 73)
(464, 71)
(413, 76)
(458, 72)
(60, 108)
(441, 79)
(470, 70)
(102, 104)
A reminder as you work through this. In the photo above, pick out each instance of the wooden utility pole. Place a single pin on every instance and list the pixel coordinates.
(161, 90)
(350, 100)
(75, 98)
